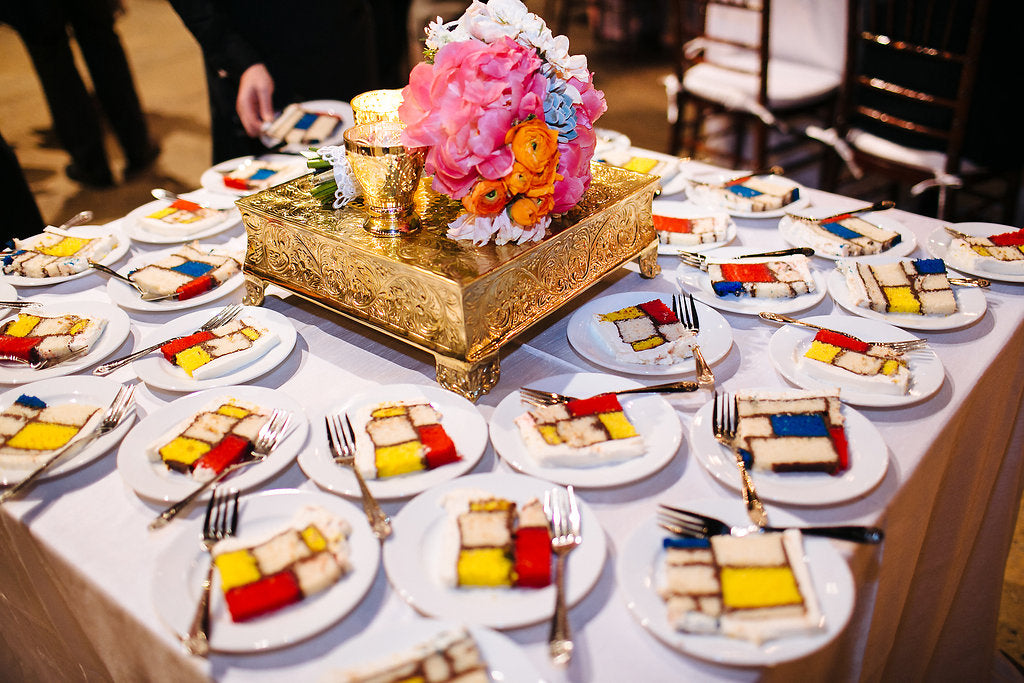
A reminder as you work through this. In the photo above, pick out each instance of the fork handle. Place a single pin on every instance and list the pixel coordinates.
(560, 645)
(856, 534)
(379, 522)
(198, 642)
(669, 388)
(755, 510)
(30, 480)
(107, 368)
(176, 509)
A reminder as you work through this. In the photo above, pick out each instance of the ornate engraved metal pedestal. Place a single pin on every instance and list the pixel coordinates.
(458, 301)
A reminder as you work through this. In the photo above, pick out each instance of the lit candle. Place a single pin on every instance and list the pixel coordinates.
(377, 105)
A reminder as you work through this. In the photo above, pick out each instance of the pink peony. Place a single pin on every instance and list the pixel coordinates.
(463, 104)
(574, 156)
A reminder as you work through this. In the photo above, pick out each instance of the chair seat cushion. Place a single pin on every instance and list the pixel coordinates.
(927, 160)
(790, 84)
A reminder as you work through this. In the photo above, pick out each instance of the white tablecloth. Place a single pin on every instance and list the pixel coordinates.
(78, 561)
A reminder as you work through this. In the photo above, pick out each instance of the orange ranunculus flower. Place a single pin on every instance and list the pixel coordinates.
(534, 145)
(487, 198)
(519, 179)
(543, 183)
(528, 210)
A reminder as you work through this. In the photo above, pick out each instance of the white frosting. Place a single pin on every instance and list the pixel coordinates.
(232, 361)
(564, 455)
(667, 353)
(960, 255)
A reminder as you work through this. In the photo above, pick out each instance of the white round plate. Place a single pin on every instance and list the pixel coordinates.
(869, 459)
(97, 391)
(112, 257)
(460, 418)
(699, 283)
(124, 295)
(789, 344)
(653, 417)
(116, 331)
(714, 338)
(698, 189)
(970, 305)
(609, 141)
(213, 177)
(938, 242)
(791, 231)
(343, 110)
(181, 569)
(8, 292)
(140, 233)
(504, 657)
(155, 371)
(418, 529)
(153, 480)
(640, 572)
(687, 209)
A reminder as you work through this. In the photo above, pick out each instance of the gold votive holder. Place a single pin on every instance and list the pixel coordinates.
(376, 105)
(388, 175)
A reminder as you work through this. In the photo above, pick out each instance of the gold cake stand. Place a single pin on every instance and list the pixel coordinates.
(458, 301)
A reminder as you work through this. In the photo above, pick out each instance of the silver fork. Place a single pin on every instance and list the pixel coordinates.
(223, 316)
(221, 521)
(723, 422)
(685, 309)
(898, 346)
(45, 362)
(539, 397)
(563, 513)
(146, 295)
(696, 260)
(695, 525)
(263, 445)
(118, 408)
(342, 441)
(19, 304)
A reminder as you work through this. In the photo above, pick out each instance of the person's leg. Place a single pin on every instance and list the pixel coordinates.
(21, 213)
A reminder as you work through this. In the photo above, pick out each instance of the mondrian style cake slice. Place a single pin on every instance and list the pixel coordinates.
(306, 558)
(776, 278)
(647, 333)
(1002, 253)
(32, 430)
(256, 175)
(190, 271)
(490, 542)
(182, 218)
(911, 286)
(401, 437)
(679, 231)
(754, 195)
(451, 656)
(792, 431)
(35, 337)
(756, 587)
(224, 349)
(844, 235)
(55, 254)
(848, 361)
(203, 444)
(296, 125)
(581, 433)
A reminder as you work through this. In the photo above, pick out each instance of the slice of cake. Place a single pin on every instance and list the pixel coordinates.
(35, 337)
(778, 278)
(55, 254)
(256, 175)
(190, 271)
(307, 557)
(489, 542)
(713, 227)
(756, 587)
(401, 437)
(181, 218)
(914, 286)
(224, 349)
(32, 430)
(581, 433)
(298, 126)
(792, 431)
(647, 333)
(844, 235)
(203, 444)
(1001, 254)
(849, 361)
(753, 195)
(451, 656)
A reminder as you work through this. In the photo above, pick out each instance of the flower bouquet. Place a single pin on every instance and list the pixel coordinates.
(507, 115)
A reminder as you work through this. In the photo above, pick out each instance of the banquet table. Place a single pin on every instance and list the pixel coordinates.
(78, 566)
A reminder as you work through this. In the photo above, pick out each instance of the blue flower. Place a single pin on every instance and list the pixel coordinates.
(559, 112)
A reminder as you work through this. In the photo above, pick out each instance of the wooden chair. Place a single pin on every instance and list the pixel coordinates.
(906, 105)
(726, 64)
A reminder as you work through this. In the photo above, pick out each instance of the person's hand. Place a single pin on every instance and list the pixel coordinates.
(255, 104)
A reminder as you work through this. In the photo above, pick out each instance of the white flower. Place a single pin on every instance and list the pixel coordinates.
(440, 33)
(471, 227)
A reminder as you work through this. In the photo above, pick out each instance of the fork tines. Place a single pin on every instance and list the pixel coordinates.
(271, 432)
(539, 398)
(221, 518)
(682, 523)
(694, 260)
(685, 309)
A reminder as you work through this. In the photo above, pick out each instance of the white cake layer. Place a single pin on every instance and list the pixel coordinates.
(454, 503)
(816, 236)
(73, 414)
(231, 361)
(866, 285)
(365, 455)
(1003, 260)
(703, 229)
(563, 455)
(181, 223)
(897, 383)
(39, 265)
(449, 657)
(679, 344)
(792, 272)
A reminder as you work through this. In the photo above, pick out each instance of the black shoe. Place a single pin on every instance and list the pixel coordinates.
(138, 166)
(98, 178)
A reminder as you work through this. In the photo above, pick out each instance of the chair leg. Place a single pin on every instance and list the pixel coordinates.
(739, 127)
(760, 144)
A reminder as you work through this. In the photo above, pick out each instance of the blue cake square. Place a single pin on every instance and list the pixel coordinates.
(193, 268)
